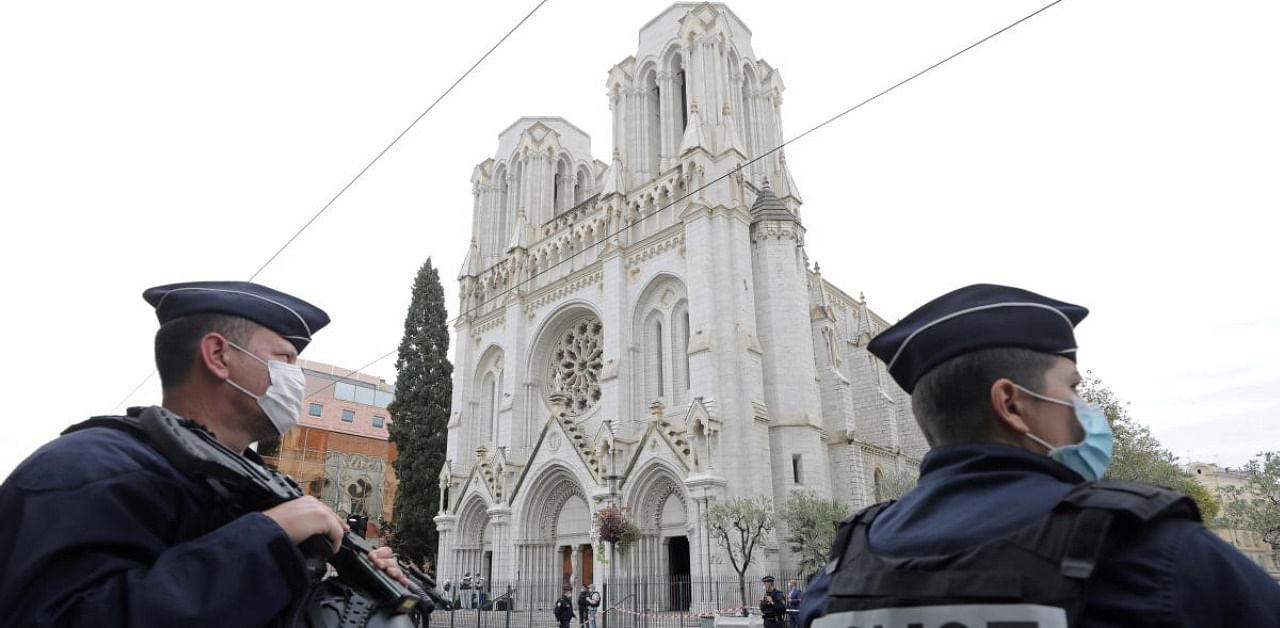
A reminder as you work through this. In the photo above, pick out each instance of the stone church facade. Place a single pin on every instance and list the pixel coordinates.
(628, 339)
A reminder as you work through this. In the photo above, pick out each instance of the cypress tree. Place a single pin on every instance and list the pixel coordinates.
(420, 417)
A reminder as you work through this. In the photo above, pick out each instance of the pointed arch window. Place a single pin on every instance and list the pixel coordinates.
(653, 358)
(562, 185)
(501, 210)
(684, 101)
(488, 409)
(747, 127)
(659, 376)
(653, 124)
(680, 353)
(581, 188)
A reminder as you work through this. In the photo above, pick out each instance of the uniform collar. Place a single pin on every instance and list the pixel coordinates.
(943, 462)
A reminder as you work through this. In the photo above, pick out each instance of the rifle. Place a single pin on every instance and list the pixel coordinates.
(193, 450)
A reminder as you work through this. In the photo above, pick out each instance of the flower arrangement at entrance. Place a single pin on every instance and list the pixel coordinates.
(612, 525)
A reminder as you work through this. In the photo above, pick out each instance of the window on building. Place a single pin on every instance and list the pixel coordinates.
(315, 409)
(364, 395)
(343, 391)
(488, 409)
(348, 416)
(684, 101)
(379, 421)
(657, 350)
(680, 354)
(361, 393)
(654, 376)
(797, 469)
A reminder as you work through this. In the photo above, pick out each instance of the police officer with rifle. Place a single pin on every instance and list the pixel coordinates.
(164, 517)
(773, 606)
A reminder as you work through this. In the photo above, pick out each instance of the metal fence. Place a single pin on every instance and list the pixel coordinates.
(658, 602)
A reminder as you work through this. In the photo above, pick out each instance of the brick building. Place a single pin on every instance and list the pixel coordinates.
(339, 451)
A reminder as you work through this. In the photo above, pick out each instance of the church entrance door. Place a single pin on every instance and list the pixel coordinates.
(680, 587)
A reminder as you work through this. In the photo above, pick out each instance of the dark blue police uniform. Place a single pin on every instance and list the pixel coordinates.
(1153, 571)
(100, 530)
(1177, 573)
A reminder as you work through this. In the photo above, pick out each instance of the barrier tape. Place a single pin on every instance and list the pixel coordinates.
(736, 610)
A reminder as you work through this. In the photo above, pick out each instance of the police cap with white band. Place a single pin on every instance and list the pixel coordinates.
(287, 315)
(981, 316)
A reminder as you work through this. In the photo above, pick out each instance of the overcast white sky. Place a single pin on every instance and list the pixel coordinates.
(1120, 155)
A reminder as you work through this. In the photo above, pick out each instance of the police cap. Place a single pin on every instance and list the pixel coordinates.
(981, 316)
(287, 315)
(767, 579)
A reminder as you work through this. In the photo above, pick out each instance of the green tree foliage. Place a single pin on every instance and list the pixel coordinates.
(420, 418)
(811, 526)
(1139, 457)
(896, 484)
(739, 527)
(1256, 505)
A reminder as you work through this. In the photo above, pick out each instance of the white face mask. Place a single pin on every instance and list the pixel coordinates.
(282, 402)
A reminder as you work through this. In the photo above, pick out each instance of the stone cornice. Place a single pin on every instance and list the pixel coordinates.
(562, 289)
(649, 249)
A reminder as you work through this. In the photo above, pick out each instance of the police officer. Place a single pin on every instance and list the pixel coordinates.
(563, 610)
(582, 606)
(1007, 523)
(102, 531)
(773, 605)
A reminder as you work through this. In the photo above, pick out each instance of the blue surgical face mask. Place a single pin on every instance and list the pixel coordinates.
(1091, 456)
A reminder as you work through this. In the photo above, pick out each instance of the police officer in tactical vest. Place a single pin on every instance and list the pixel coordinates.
(102, 530)
(1011, 524)
(563, 610)
(773, 606)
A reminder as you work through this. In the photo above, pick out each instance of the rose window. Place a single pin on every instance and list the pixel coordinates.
(576, 361)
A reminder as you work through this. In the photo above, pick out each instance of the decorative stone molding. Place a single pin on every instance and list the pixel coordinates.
(777, 230)
(556, 293)
(495, 321)
(577, 437)
(655, 498)
(674, 241)
(554, 502)
(489, 473)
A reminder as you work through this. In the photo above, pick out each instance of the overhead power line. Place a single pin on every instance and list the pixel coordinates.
(394, 141)
(364, 170)
(731, 172)
(748, 163)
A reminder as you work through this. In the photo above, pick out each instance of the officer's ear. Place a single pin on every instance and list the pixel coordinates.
(212, 354)
(1010, 408)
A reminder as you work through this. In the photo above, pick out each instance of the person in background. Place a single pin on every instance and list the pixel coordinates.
(564, 608)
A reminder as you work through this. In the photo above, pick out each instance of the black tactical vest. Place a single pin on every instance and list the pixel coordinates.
(1033, 578)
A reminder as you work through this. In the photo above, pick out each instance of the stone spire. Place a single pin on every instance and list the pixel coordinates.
(864, 318)
(768, 207)
(471, 264)
(613, 182)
